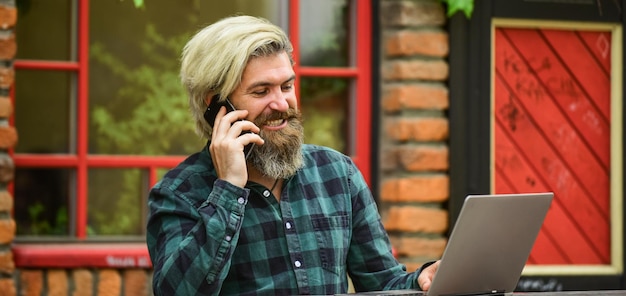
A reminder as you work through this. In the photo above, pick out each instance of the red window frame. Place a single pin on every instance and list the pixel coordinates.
(136, 254)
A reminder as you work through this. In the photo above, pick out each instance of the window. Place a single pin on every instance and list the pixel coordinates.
(108, 115)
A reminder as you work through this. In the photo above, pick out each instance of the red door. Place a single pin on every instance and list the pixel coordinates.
(552, 132)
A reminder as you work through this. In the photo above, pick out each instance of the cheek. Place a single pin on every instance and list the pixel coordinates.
(257, 115)
(293, 102)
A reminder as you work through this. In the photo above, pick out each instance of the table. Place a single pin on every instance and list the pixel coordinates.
(562, 293)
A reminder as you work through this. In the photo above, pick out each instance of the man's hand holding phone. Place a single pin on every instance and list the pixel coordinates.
(231, 133)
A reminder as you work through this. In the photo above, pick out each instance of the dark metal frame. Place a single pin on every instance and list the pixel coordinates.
(376, 97)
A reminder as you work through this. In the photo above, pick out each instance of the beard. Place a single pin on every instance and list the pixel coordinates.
(280, 156)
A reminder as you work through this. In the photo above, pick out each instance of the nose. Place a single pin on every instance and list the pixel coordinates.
(280, 102)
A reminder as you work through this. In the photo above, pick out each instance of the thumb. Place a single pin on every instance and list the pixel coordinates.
(425, 278)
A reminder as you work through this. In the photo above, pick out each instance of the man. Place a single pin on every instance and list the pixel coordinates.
(287, 219)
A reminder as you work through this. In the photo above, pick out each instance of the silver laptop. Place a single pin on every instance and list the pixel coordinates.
(489, 245)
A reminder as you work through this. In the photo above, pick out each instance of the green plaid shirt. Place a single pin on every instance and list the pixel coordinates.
(207, 237)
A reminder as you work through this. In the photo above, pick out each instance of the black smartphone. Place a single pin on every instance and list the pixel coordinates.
(211, 113)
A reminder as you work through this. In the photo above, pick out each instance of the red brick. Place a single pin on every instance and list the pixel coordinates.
(135, 282)
(423, 158)
(6, 201)
(7, 287)
(415, 96)
(109, 283)
(7, 230)
(412, 13)
(418, 129)
(7, 76)
(416, 219)
(83, 282)
(397, 129)
(388, 159)
(7, 168)
(416, 69)
(8, 47)
(8, 137)
(7, 266)
(407, 43)
(57, 282)
(31, 282)
(8, 16)
(434, 188)
(6, 107)
(419, 247)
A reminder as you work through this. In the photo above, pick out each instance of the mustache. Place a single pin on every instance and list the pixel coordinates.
(291, 113)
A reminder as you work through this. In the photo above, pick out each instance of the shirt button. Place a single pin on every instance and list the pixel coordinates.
(297, 264)
(241, 200)
(228, 238)
(288, 225)
(266, 193)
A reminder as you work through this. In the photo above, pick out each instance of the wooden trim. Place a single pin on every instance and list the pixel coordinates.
(75, 255)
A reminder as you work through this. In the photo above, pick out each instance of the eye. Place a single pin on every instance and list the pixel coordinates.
(260, 92)
(287, 87)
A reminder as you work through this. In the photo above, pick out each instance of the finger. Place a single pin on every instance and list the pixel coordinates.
(249, 138)
(243, 126)
(425, 286)
(233, 116)
(216, 124)
(426, 276)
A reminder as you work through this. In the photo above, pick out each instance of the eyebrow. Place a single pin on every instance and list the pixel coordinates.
(265, 83)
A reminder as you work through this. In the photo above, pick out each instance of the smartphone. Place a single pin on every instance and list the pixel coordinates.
(211, 113)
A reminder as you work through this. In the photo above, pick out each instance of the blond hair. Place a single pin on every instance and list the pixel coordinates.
(213, 61)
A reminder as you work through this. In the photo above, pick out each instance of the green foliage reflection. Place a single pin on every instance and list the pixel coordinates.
(148, 115)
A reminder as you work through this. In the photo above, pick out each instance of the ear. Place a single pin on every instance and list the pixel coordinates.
(210, 97)
(207, 99)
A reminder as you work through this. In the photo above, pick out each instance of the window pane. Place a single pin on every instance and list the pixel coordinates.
(43, 113)
(53, 43)
(42, 201)
(324, 103)
(116, 202)
(324, 33)
(137, 104)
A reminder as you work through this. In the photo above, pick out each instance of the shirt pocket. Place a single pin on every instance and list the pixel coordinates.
(333, 239)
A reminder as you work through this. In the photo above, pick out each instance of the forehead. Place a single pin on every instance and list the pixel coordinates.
(274, 69)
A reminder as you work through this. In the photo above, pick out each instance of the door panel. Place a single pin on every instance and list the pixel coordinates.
(543, 101)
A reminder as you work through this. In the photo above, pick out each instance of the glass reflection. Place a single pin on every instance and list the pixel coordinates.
(324, 104)
(137, 104)
(52, 43)
(41, 205)
(43, 113)
(116, 203)
(324, 28)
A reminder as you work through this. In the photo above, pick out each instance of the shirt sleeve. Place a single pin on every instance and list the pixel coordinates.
(371, 264)
(191, 245)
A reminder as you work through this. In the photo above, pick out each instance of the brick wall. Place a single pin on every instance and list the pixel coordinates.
(414, 150)
(8, 139)
(84, 282)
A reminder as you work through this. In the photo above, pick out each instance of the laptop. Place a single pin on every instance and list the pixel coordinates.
(489, 245)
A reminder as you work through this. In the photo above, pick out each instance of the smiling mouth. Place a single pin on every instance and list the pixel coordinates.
(274, 123)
